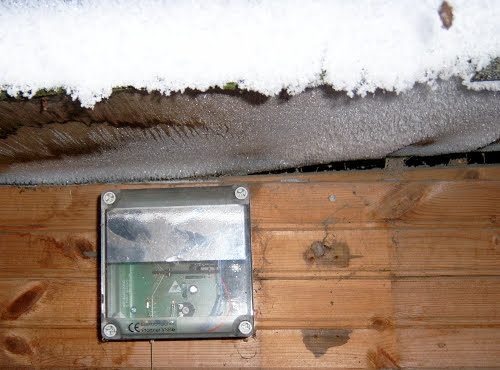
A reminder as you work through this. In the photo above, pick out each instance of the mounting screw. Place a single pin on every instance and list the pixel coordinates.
(241, 193)
(245, 327)
(133, 309)
(109, 197)
(110, 330)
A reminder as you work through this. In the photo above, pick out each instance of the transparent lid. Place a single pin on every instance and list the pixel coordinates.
(176, 263)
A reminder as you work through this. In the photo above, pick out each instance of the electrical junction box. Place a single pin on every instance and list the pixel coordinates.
(176, 263)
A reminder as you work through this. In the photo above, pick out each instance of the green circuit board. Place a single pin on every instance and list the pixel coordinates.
(164, 290)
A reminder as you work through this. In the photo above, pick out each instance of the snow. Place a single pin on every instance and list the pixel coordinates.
(88, 47)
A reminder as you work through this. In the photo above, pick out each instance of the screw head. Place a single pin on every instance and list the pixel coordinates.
(110, 330)
(133, 309)
(245, 327)
(109, 197)
(241, 193)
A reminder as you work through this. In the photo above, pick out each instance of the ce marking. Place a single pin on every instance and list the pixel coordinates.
(134, 328)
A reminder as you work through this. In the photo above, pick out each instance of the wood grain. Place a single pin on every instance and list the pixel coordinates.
(358, 348)
(362, 253)
(447, 302)
(268, 348)
(279, 205)
(297, 304)
(408, 275)
(446, 252)
(377, 253)
(449, 348)
(48, 254)
(377, 204)
(310, 304)
(58, 347)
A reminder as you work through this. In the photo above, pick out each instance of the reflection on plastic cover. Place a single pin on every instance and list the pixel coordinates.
(214, 232)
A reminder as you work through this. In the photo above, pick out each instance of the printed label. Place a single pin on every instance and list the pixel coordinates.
(157, 326)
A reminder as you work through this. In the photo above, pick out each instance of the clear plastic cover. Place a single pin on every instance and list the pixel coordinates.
(176, 263)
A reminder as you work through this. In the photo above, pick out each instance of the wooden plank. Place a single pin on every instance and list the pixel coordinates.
(446, 252)
(57, 303)
(449, 348)
(285, 254)
(322, 303)
(383, 204)
(52, 207)
(278, 303)
(342, 348)
(440, 302)
(357, 348)
(49, 347)
(48, 255)
(231, 353)
(330, 253)
(345, 303)
(376, 253)
(337, 348)
(284, 205)
(445, 173)
(57, 347)
(438, 173)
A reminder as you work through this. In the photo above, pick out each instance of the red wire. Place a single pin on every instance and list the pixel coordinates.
(228, 297)
(217, 327)
(228, 305)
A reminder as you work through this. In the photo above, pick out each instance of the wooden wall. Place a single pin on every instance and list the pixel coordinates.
(409, 275)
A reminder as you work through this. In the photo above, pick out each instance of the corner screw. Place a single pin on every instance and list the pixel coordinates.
(109, 197)
(241, 193)
(110, 330)
(245, 327)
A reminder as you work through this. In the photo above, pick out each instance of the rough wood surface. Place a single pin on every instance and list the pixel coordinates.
(409, 275)
(284, 206)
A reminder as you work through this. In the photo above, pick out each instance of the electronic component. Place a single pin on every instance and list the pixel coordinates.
(176, 263)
